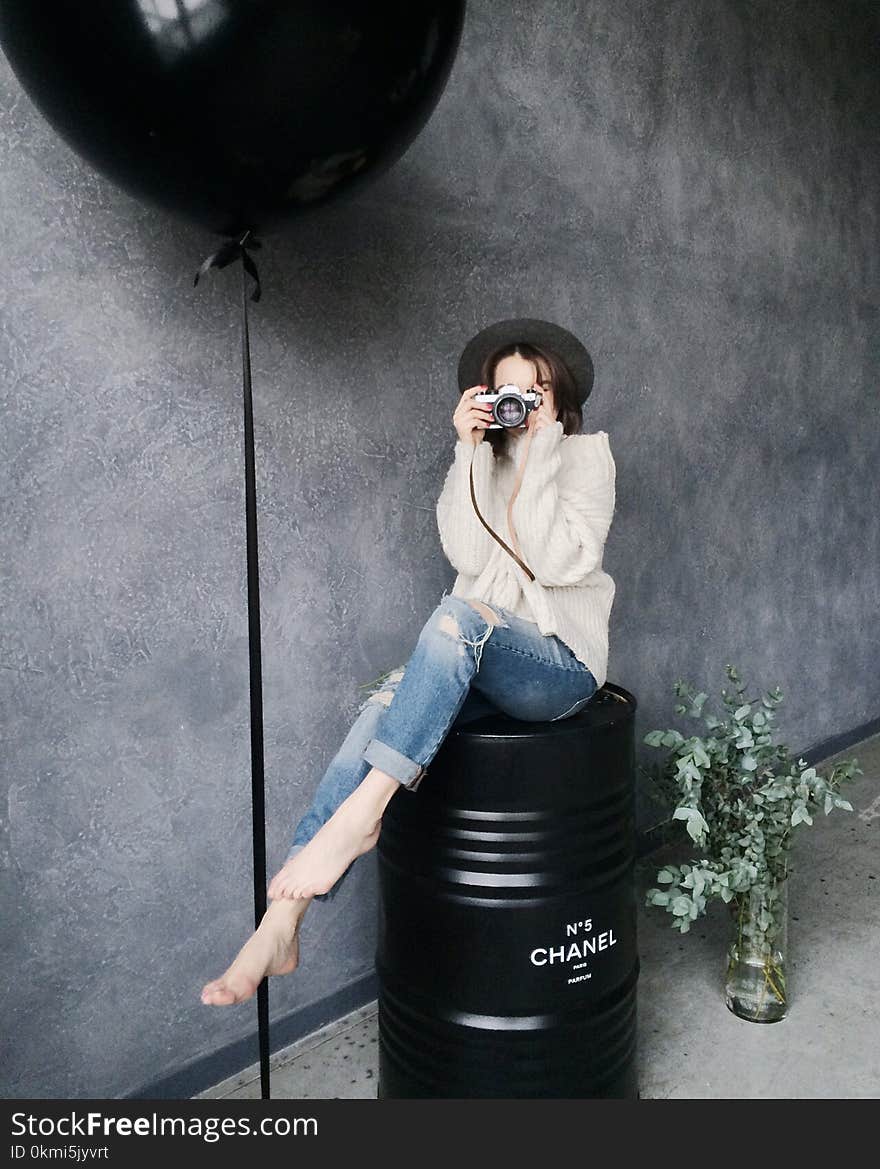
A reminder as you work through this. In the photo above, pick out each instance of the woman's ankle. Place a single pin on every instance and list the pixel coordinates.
(381, 786)
(287, 910)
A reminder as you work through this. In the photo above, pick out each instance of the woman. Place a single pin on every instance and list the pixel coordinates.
(523, 632)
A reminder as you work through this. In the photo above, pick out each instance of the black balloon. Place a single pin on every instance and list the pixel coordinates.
(234, 114)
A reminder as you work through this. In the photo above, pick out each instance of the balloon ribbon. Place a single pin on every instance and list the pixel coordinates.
(230, 251)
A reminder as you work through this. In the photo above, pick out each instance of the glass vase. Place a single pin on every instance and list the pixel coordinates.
(755, 988)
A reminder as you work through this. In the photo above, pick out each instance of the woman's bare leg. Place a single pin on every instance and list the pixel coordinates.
(273, 948)
(352, 830)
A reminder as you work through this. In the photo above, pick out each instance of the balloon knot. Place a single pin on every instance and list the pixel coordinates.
(227, 253)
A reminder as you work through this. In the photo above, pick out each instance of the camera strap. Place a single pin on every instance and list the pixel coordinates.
(513, 496)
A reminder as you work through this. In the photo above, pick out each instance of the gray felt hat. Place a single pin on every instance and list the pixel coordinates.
(541, 333)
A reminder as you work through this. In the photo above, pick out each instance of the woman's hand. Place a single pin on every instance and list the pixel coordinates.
(545, 415)
(472, 418)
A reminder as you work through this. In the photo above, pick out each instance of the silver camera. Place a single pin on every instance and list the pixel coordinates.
(510, 406)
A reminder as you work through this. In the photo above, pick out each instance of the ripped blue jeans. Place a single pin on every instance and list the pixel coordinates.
(463, 667)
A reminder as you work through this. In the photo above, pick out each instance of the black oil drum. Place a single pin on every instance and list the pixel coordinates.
(506, 953)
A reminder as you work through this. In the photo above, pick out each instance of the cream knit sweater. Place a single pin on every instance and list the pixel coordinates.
(561, 515)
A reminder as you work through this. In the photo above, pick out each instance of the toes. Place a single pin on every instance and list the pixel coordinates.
(223, 994)
(279, 885)
(216, 994)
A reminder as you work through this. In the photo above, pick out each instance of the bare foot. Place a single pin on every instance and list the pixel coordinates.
(272, 949)
(352, 830)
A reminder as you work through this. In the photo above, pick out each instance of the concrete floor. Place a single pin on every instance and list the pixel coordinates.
(689, 1044)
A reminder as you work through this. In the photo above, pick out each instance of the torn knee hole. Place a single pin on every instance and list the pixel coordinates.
(390, 678)
(490, 614)
(448, 624)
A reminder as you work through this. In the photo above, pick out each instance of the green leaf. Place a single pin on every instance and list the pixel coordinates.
(696, 826)
(690, 770)
(700, 757)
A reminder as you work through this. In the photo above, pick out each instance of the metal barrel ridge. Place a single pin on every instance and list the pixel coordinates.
(506, 954)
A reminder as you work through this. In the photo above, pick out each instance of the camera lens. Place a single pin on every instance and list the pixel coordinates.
(510, 410)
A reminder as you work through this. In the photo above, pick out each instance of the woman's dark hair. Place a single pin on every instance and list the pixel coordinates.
(550, 368)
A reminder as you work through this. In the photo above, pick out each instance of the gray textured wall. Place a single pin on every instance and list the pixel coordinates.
(692, 186)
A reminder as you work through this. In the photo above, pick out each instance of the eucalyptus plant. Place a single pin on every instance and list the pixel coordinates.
(741, 797)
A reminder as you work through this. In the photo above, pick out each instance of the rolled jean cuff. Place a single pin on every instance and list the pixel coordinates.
(406, 771)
